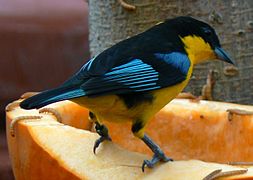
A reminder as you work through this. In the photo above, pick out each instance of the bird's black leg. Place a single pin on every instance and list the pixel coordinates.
(104, 135)
(158, 153)
(101, 130)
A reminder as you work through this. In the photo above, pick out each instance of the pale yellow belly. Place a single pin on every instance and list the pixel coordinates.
(106, 108)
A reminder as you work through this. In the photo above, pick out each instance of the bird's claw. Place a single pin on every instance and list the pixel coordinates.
(104, 135)
(156, 158)
(99, 141)
(147, 163)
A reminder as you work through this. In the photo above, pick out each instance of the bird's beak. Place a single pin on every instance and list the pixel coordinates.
(222, 55)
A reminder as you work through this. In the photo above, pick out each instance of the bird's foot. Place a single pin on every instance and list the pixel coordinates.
(104, 135)
(158, 156)
(99, 141)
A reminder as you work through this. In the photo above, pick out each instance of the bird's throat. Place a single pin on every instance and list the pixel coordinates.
(197, 49)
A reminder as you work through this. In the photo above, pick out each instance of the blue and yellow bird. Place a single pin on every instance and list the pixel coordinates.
(135, 78)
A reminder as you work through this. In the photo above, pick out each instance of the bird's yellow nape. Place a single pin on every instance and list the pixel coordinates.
(198, 50)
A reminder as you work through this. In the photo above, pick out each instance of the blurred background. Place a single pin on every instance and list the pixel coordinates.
(42, 42)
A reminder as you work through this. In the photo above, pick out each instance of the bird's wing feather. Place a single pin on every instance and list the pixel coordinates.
(140, 74)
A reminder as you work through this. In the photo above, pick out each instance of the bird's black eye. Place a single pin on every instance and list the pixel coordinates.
(207, 31)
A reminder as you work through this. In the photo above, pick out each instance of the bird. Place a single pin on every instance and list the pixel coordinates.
(135, 78)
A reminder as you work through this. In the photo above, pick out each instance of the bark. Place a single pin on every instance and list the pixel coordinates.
(110, 22)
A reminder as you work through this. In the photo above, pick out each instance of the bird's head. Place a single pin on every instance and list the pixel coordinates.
(199, 39)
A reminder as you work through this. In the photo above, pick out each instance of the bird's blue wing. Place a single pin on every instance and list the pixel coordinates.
(140, 74)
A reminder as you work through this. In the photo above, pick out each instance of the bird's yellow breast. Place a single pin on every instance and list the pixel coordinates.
(165, 95)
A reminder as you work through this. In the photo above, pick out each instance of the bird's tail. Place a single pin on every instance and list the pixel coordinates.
(51, 96)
